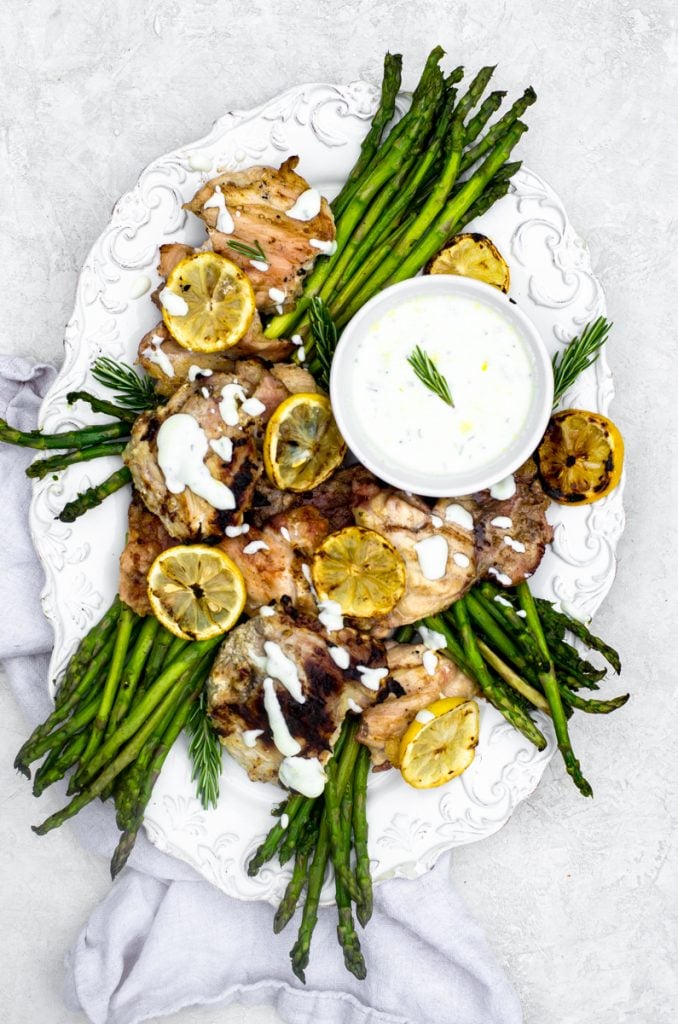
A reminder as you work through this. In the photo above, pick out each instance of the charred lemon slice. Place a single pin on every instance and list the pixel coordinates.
(472, 255)
(440, 743)
(580, 458)
(207, 303)
(196, 591)
(302, 445)
(360, 570)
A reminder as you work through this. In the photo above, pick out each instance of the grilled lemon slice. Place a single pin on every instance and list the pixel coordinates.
(581, 457)
(207, 303)
(472, 255)
(440, 743)
(196, 591)
(360, 570)
(302, 445)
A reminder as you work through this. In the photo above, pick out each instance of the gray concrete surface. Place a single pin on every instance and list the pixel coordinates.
(578, 898)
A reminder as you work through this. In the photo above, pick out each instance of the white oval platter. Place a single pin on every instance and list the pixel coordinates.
(552, 281)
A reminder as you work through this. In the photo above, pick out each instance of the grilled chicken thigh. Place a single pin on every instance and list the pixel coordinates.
(235, 462)
(255, 652)
(146, 538)
(407, 522)
(253, 206)
(383, 726)
(334, 498)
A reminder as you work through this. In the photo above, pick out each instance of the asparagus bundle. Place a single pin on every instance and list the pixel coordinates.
(514, 647)
(331, 828)
(405, 196)
(127, 693)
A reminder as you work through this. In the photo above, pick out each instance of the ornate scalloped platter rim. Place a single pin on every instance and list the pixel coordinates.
(551, 278)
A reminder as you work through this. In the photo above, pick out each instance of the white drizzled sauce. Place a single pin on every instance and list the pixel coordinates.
(371, 677)
(231, 394)
(458, 514)
(253, 407)
(574, 612)
(340, 656)
(140, 286)
(516, 545)
(282, 737)
(502, 600)
(522, 613)
(353, 706)
(500, 576)
(224, 220)
(436, 522)
(307, 205)
(200, 161)
(250, 737)
(306, 775)
(432, 556)
(482, 355)
(502, 522)
(173, 303)
(430, 662)
(329, 614)
(204, 392)
(254, 546)
(266, 611)
(223, 446)
(284, 820)
(236, 531)
(326, 248)
(276, 294)
(155, 354)
(280, 667)
(505, 489)
(460, 559)
(285, 534)
(182, 447)
(259, 265)
(301, 354)
(306, 573)
(198, 371)
(297, 339)
(431, 639)
(424, 716)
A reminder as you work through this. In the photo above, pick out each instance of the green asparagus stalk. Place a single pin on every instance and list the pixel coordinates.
(454, 648)
(43, 467)
(499, 129)
(561, 622)
(93, 496)
(294, 831)
(390, 86)
(270, 845)
(299, 954)
(132, 672)
(288, 903)
(88, 649)
(339, 849)
(487, 109)
(552, 691)
(81, 718)
(101, 405)
(58, 761)
(115, 670)
(512, 678)
(346, 933)
(363, 873)
(473, 93)
(490, 687)
(592, 707)
(156, 659)
(67, 439)
(497, 604)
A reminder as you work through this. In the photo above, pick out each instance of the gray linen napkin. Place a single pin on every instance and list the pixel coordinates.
(163, 938)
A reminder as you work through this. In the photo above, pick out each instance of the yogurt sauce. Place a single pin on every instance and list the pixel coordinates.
(482, 357)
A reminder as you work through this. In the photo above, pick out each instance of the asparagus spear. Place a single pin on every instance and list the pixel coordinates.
(299, 954)
(58, 762)
(497, 604)
(156, 658)
(339, 849)
(550, 686)
(93, 496)
(88, 649)
(487, 109)
(454, 648)
(495, 693)
(272, 841)
(592, 707)
(101, 405)
(132, 673)
(67, 439)
(512, 678)
(288, 903)
(499, 129)
(473, 93)
(43, 467)
(363, 873)
(390, 86)
(294, 831)
(346, 933)
(561, 622)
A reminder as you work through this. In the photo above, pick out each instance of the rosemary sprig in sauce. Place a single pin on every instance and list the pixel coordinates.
(429, 374)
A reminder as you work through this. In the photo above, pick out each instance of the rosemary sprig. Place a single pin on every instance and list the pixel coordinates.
(251, 252)
(429, 374)
(324, 333)
(133, 392)
(580, 353)
(204, 751)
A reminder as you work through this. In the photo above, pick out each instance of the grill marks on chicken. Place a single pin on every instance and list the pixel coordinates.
(383, 726)
(146, 538)
(334, 499)
(236, 694)
(257, 201)
(407, 522)
(186, 516)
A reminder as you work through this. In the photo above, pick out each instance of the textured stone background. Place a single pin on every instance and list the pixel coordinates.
(578, 897)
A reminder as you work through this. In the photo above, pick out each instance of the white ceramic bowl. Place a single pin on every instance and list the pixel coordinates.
(365, 446)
